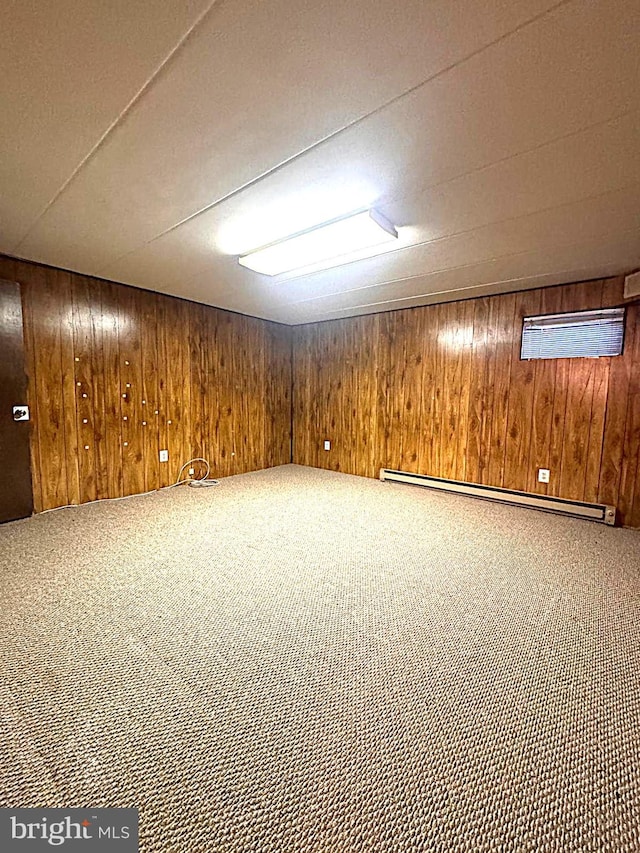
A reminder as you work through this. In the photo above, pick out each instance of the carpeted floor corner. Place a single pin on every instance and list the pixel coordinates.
(299, 660)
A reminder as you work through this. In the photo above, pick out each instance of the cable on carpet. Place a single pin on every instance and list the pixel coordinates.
(198, 482)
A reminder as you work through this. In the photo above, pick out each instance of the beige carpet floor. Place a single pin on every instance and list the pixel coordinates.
(298, 660)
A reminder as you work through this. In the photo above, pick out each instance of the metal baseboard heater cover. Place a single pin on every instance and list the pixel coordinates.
(575, 509)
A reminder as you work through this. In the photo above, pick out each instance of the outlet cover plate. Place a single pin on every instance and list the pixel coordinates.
(543, 475)
(164, 455)
(327, 444)
(21, 413)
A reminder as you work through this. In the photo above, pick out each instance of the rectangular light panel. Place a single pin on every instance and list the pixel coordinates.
(329, 245)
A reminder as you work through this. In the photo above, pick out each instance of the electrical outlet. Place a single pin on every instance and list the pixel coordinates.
(543, 475)
(164, 455)
(192, 471)
(327, 444)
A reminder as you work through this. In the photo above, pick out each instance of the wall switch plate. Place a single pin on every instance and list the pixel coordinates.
(543, 475)
(164, 455)
(327, 444)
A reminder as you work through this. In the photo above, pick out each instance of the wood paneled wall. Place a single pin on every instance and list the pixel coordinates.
(117, 374)
(441, 390)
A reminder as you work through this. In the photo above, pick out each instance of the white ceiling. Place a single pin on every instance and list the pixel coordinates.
(152, 142)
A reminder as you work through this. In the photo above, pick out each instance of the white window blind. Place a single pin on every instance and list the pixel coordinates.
(583, 334)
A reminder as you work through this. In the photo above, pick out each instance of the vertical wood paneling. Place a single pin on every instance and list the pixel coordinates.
(278, 370)
(254, 393)
(50, 306)
(368, 372)
(576, 429)
(465, 343)
(488, 391)
(542, 417)
(629, 495)
(428, 333)
(277, 412)
(112, 396)
(240, 401)
(477, 387)
(344, 392)
(143, 357)
(363, 346)
(306, 430)
(439, 435)
(224, 410)
(131, 392)
(520, 402)
(388, 421)
(166, 430)
(89, 407)
(150, 414)
(303, 413)
(198, 386)
(439, 390)
(450, 397)
(336, 382)
(451, 357)
(183, 310)
(212, 380)
(579, 398)
(601, 370)
(504, 343)
(412, 402)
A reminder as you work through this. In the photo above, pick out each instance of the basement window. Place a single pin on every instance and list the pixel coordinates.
(581, 334)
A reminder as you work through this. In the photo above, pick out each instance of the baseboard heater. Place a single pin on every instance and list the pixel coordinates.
(575, 509)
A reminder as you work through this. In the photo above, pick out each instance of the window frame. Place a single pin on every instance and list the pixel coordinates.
(621, 308)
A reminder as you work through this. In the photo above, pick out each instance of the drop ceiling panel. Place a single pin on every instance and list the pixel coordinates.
(523, 103)
(502, 137)
(490, 281)
(68, 70)
(508, 269)
(254, 86)
(508, 285)
(574, 234)
(582, 167)
(576, 226)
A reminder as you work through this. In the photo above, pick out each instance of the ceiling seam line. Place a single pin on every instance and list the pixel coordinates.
(570, 271)
(354, 123)
(437, 185)
(463, 233)
(284, 281)
(122, 115)
(526, 151)
(441, 270)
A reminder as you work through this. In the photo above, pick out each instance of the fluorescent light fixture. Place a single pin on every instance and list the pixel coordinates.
(323, 246)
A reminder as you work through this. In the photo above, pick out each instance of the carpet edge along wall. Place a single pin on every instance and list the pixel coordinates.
(117, 374)
(441, 390)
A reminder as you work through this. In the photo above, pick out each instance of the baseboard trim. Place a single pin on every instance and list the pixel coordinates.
(602, 513)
